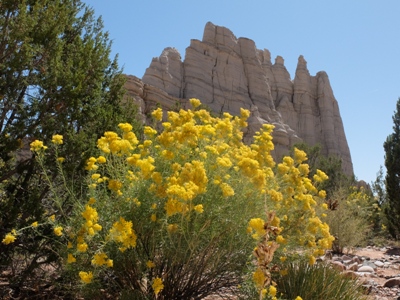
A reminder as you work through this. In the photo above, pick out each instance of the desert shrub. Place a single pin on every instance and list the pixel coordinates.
(177, 214)
(351, 217)
(318, 281)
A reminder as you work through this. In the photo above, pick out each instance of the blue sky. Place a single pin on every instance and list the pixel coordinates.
(356, 42)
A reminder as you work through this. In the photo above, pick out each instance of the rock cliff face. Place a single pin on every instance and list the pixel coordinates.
(227, 73)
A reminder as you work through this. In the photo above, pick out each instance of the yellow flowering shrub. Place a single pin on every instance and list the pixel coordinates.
(188, 202)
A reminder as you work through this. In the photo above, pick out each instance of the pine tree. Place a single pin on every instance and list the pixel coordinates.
(56, 77)
(392, 180)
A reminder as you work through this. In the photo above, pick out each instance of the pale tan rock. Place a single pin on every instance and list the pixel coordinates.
(353, 266)
(338, 266)
(350, 274)
(227, 73)
(165, 72)
(366, 269)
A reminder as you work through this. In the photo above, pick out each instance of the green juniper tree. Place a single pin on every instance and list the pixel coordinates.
(392, 180)
(56, 77)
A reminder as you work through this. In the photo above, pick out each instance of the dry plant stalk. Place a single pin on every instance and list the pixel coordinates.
(264, 252)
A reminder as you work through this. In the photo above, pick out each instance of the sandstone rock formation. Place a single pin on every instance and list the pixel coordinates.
(227, 73)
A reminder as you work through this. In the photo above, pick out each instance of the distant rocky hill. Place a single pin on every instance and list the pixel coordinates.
(227, 73)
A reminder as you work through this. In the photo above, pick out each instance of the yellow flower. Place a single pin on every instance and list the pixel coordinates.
(150, 264)
(157, 114)
(259, 278)
(195, 102)
(57, 139)
(90, 213)
(311, 260)
(257, 225)
(157, 285)
(82, 247)
(110, 263)
(146, 166)
(199, 208)
(96, 176)
(280, 239)
(115, 185)
(282, 258)
(263, 292)
(61, 159)
(58, 231)
(272, 290)
(227, 190)
(153, 217)
(52, 218)
(244, 113)
(125, 127)
(37, 146)
(101, 160)
(322, 194)
(299, 155)
(97, 227)
(298, 298)
(173, 206)
(86, 277)
(149, 131)
(172, 228)
(99, 259)
(320, 176)
(34, 224)
(71, 259)
(9, 238)
(283, 272)
(90, 164)
(123, 233)
(224, 162)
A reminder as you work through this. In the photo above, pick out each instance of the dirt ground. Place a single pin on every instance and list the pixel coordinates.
(381, 254)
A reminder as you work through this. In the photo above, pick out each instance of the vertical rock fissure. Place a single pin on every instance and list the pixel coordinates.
(213, 71)
(182, 85)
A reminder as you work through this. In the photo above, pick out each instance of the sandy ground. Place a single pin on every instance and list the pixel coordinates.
(378, 254)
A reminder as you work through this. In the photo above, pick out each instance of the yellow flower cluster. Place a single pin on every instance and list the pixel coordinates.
(10, 237)
(157, 285)
(91, 164)
(58, 230)
(296, 195)
(57, 139)
(37, 146)
(259, 278)
(91, 216)
(256, 225)
(112, 143)
(101, 259)
(86, 277)
(122, 232)
(71, 259)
